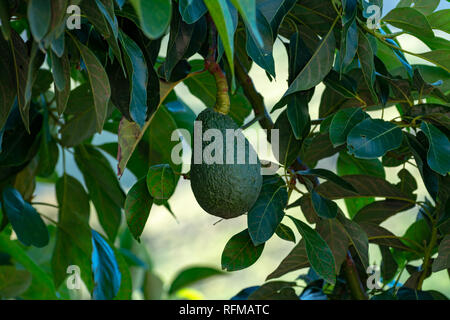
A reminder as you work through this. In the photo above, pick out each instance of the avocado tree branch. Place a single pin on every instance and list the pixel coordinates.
(222, 97)
(255, 98)
(353, 281)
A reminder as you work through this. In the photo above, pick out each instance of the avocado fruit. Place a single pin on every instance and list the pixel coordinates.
(225, 190)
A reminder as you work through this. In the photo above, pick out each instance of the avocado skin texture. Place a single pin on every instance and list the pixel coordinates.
(225, 190)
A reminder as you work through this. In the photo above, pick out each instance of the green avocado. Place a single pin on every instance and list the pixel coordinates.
(225, 190)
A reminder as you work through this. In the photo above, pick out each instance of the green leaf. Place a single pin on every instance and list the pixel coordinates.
(41, 282)
(328, 175)
(439, 20)
(317, 148)
(410, 20)
(342, 84)
(371, 139)
(347, 164)
(62, 95)
(443, 259)
(365, 54)
(221, 15)
(13, 282)
(343, 122)
(260, 48)
(138, 77)
(4, 20)
(39, 16)
(154, 16)
(298, 115)
(137, 208)
(319, 254)
(105, 269)
(418, 233)
(99, 82)
(335, 236)
(317, 67)
(161, 181)
(25, 220)
(103, 186)
(388, 266)
(285, 233)
(367, 186)
(288, 147)
(240, 252)
(192, 10)
(274, 290)
(440, 57)
(349, 38)
(268, 211)
(379, 211)
(358, 238)
(324, 208)
(20, 63)
(248, 11)
(184, 41)
(7, 82)
(438, 156)
(424, 6)
(192, 275)
(295, 260)
(73, 239)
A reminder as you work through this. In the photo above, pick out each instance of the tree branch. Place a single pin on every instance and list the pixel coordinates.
(353, 281)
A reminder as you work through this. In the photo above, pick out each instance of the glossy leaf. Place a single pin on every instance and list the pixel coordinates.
(334, 235)
(319, 254)
(295, 260)
(289, 147)
(192, 10)
(39, 15)
(161, 181)
(324, 208)
(379, 211)
(298, 115)
(443, 260)
(240, 252)
(154, 16)
(373, 138)
(343, 122)
(266, 214)
(223, 20)
(358, 238)
(285, 233)
(138, 77)
(137, 207)
(105, 268)
(25, 220)
(438, 156)
(13, 282)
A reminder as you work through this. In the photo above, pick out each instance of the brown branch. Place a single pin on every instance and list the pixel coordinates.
(254, 97)
(351, 274)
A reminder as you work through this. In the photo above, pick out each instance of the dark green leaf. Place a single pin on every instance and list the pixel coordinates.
(438, 156)
(271, 290)
(288, 147)
(192, 275)
(192, 10)
(379, 211)
(39, 15)
(240, 252)
(443, 260)
(137, 207)
(268, 211)
(358, 238)
(439, 20)
(324, 208)
(74, 238)
(62, 95)
(295, 260)
(222, 17)
(328, 175)
(343, 122)
(285, 233)
(105, 269)
(260, 49)
(410, 20)
(161, 181)
(373, 138)
(441, 58)
(319, 254)
(389, 266)
(138, 77)
(335, 236)
(298, 115)
(25, 220)
(103, 186)
(154, 16)
(98, 78)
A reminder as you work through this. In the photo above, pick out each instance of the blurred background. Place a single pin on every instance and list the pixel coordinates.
(195, 238)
